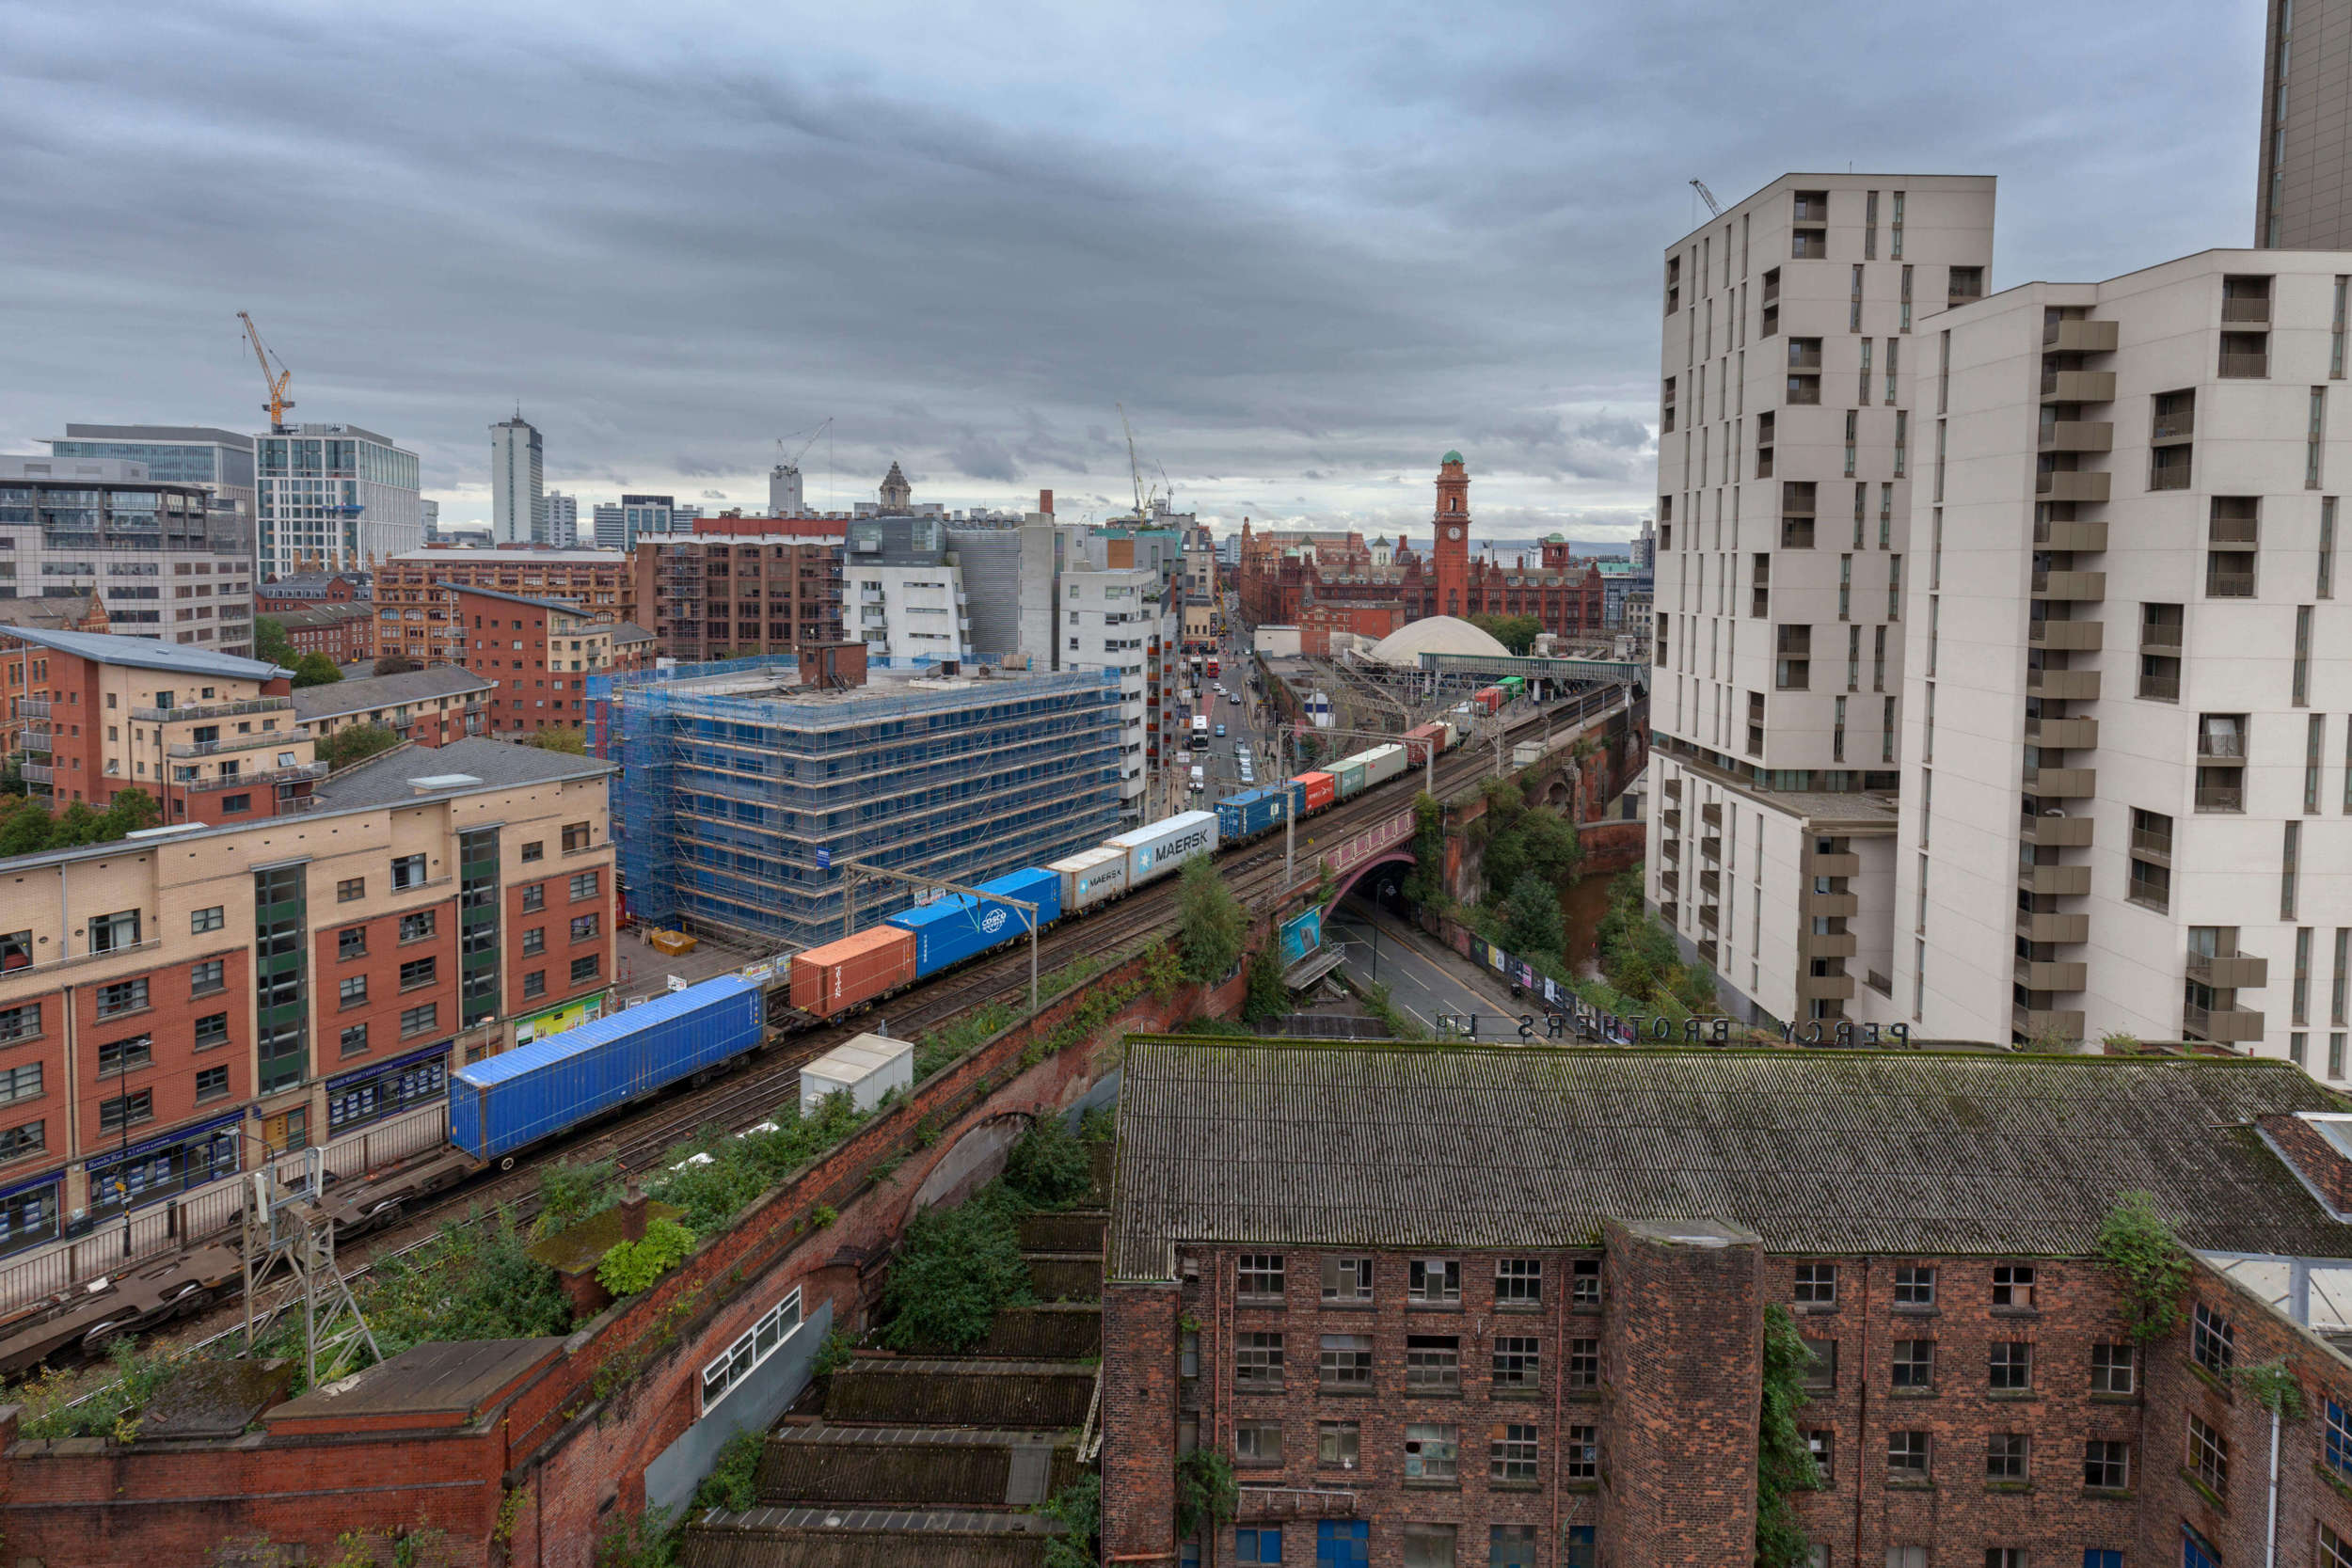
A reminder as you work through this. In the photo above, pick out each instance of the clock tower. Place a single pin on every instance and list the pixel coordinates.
(1450, 557)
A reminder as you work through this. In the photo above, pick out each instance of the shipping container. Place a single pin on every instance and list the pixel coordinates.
(1031, 884)
(1159, 848)
(1489, 698)
(534, 1091)
(1091, 877)
(1347, 778)
(1315, 791)
(1382, 763)
(958, 925)
(864, 1068)
(1419, 742)
(1512, 687)
(841, 975)
(1453, 735)
(1254, 811)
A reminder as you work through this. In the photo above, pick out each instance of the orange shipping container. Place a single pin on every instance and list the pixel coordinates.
(840, 975)
(1316, 790)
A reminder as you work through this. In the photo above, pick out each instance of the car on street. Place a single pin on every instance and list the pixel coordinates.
(1221, 732)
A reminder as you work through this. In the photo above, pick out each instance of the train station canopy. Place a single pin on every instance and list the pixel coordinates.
(1437, 634)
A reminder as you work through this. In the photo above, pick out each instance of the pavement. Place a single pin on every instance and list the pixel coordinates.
(1426, 980)
(641, 969)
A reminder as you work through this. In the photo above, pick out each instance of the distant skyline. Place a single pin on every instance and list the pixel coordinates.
(1309, 248)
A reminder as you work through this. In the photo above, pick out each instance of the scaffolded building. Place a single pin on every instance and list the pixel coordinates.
(742, 793)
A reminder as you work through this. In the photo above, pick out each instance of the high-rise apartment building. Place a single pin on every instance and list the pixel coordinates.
(429, 515)
(734, 594)
(518, 507)
(611, 526)
(908, 596)
(1786, 449)
(643, 515)
(2303, 190)
(331, 498)
(221, 461)
(2124, 792)
(562, 514)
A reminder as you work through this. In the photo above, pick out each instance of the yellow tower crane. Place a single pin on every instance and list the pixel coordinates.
(278, 402)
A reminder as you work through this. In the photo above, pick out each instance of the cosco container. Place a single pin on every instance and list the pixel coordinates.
(841, 975)
(1254, 811)
(537, 1090)
(957, 926)
(1091, 877)
(1159, 848)
(1381, 764)
(1348, 777)
(1315, 791)
(864, 1068)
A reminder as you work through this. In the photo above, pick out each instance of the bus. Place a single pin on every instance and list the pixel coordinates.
(1213, 667)
(1199, 732)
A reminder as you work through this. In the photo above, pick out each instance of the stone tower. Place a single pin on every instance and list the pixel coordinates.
(897, 493)
(1450, 556)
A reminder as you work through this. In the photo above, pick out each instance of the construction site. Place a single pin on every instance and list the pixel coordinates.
(746, 788)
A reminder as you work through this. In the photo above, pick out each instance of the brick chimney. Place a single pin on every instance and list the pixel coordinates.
(1045, 501)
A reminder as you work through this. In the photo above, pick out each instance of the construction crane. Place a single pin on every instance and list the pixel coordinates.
(1135, 467)
(795, 461)
(1713, 206)
(278, 402)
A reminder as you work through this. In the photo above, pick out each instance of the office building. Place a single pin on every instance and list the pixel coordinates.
(745, 792)
(221, 461)
(519, 508)
(542, 653)
(563, 530)
(1012, 577)
(414, 614)
(742, 587)
(1793, 330)
(429, 515)
(908, 596)
(167, 561)
(611, 526)
(2303, 189)
(333, 496)
(1515, 1333)
(643, 515)
(2139, 829)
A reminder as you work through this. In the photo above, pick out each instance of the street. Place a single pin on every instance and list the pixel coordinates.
(1425, 980)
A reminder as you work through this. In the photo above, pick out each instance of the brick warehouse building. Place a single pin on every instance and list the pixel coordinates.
(542, 653)
(1504, 1306)
(415, 616)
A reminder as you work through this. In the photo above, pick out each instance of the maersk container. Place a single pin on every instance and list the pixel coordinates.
(1383, 763)
(534, 1091)
(840, 975)
(1159, 848)
(1254, 811)
(1316, 791)
(1091, 877)
(1347, 778)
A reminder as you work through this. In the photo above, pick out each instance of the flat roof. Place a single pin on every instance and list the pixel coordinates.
(144, 653)
(390, 780)
(452, 1379)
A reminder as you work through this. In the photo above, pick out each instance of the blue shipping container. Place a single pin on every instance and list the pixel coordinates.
(533, 1091)
(1031, 885)
(1254, 811)
(958, 925)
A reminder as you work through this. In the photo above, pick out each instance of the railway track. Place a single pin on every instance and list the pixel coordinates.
(636, 1138)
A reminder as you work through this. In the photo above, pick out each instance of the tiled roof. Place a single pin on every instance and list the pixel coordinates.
(1818, 1151)
(319, 615)
(624, 632)
(338, 698)
(565, 606)
(146, 652)
(390, 779)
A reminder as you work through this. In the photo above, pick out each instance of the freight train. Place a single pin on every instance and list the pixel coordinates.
(505, 1105)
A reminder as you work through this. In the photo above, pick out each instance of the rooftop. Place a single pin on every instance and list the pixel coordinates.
(444, 1382)
(629, 631)
(561, 607)
(1836, 1152)
(159, 433)
(321, 615)
(391, 778)
(518, 557)
(377, 691)
(1434, 634)
(144, 653)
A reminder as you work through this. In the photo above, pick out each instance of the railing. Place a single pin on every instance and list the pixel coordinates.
(2233, 531)
(2246, 310)
(2172, 426)
(214, 710)
(32, 708)
(2246, 366)
(2152, 844)
(2168, 476)
(37, 738)
(2220, 797)
(2228, 585)
(1954, 298)
(2162, 688)
(35, 772)
(234, 743)
(2159, 634)
(2216, 745)
(239, 781)
(1804, 359)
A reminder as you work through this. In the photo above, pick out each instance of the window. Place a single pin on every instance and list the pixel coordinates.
(1257, 1362)
(1582, 1454)
(1822, 1444)
(1581, 1551)
(2333, 1552)
(207, 920)
(355, 1041)
(415, 972)
(207, 977)
(16, 1142)
(1347, 1281)
(1339, 1444)
(1434, 1281)
(2106, 1464)
(1257, 1442)
(127, 1110)
(351, 943)
(1518, 1362)
(211, 1083)
(2208, 1456)
(1519, 1282)
(351, 890)
(408, 871)
(579, 835)
(534, 940)
(1914, 1363)
(535, 983)
(583, 927)
(1821, 1372)
(420, 1021)
(1429, 1545)
(1584, 1282)
(1583, 1363)
(1260, 1544)
(352, 990)
(1915, 1285)
(2114, 1368)
(20, 1083)
(1906, 1557)
(417, 927)
(1511, 1546)
(758, 1342)
(122, 996)
(2212, 1342)
(1511, 1452)
(1429, 1450)
(1816, 1284)
(2198, 1552)
(2012, 1286)
(1906, 1456)
(585, 885)
(120, 1056)
(111, 933)
(20, 1024)
(534, 898)
(2336, 1446)
(584, 969)
(2005, 1456)
(2011, 1364)
(1433, 1363)
(1260, 1274)
(536, 850)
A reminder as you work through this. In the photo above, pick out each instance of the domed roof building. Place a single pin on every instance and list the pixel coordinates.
(1435, 634)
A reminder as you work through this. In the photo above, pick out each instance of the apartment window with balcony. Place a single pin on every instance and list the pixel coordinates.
(1769, 323)
(1755, 724)
(1853, 304)
(1760, 586)
(2245, 356)
(2221, 762)
(1673, 284)
(2233, 535)
(1792, 651)
(2326, 584)
(1797, 502)
(1966, 284)
(1902, 440)
(1667, 407)
(2315, 430)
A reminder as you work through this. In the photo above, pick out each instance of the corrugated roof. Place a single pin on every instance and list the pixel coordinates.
(566, 607)
(336, 698)
(1819, 1151)
(144, 653)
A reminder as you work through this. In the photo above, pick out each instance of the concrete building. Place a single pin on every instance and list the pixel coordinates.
(334, 496)
(1114, 619)
(1012, 577)
(221, 461)
(166, 560)
(2142, 829)
(519, 508)
(643, 515)
(740, 593)
(542, 653)
(612, 522)
(902, 593)
(562, 531)
(414, 611)
(745, 792)
(1793, 326)
(429, 515)
(784, 491)
(2303, 187)
(1514, 1334)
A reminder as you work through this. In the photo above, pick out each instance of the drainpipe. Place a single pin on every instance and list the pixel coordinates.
(2270, 1534)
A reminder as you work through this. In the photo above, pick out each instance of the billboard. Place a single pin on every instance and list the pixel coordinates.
(1301, 935)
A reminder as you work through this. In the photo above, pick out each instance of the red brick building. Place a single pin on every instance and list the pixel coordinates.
(308, 590)
(1508, 1306)
(415, 615)
(343, 632)
(741, 586)
(541, 654)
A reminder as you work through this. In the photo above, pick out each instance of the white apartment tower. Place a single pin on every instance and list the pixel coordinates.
(333, 498)
(2125, 793)
(784, 492)
(562, 514)
(1786, 449)
(518, 509)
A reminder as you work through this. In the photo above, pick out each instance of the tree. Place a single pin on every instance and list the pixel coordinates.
(1515, 632)
(75, 826)
(270, 643)
(354, 743)
(26, 826)
(1268, 996)
(315, 670)
(1532, 923)
(392, 664)
(130, 810)
(559, 738)
(1211, 925)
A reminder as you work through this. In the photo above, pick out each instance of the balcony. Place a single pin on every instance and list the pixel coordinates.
(1711, 884)
(214, 710)
(2051, 927)
(1818, 864)
(1827, 906)
(2228, 971)
(2071, 635)
(37, 738)
(2055, 882)
(1711, 848)
(2070, 535)
(1670, 880)
(2067, 732)
(2224, 584)
(1826, 944)
(2058, 832)
(2079, 385)
(2073, 485)
(2160, 635)
(296, 774)
(2071, 587)
(2073, 686)
(2234, 534)
(1670, 819)
(1711, 813)
(2049, 974)
(2037, 1023)
(2254, 308)
(2062, 783)
(32, 708)
(1706, 950)
(2242, 365)
(2153, 846)
(1708, 916)
(1672, 788)
(36, 773)
(234, 743)
(2221, 1025)
(2172, 427)
(2079, 436)
(1668, 910)
(2079, 337)
(2221, 797)
(1803, 358)
(1823, 988)
(2224, 746)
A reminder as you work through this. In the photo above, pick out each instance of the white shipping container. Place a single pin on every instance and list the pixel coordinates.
(1091, 877)
(1162, 847)
(1527, 752)
(867, 1066)
(1381, 764)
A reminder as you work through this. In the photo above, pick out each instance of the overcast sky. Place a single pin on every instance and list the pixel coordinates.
(1310, 247)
